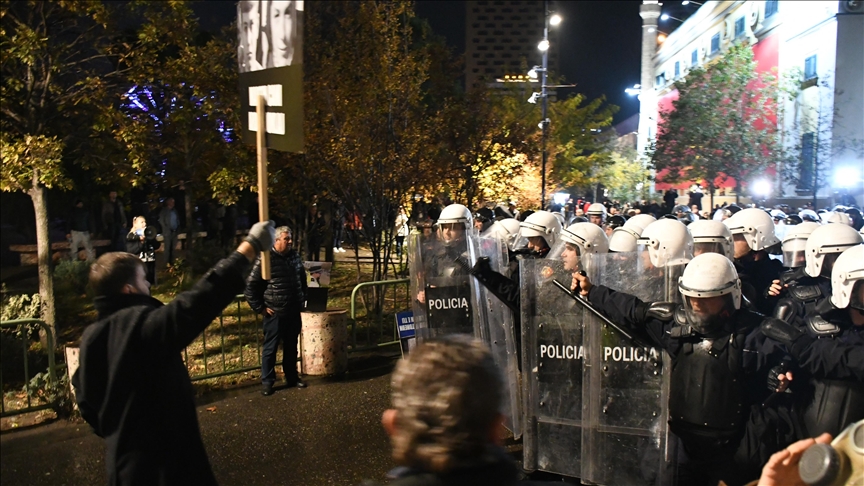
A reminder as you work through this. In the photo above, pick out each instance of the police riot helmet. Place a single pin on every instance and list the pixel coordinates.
(809, 215)
(793, 219)
(668, 242)
(756, 226)
(711, 236)
(794, 243)
(847, 279)
(836, 217)
(505, 230)
(615, 221)
(624, 238)
(829, 239)
(579, 219)
(456, 215)
(707, 276)
(597, 209)
(540, 223)
(778, 215)
(585, 237)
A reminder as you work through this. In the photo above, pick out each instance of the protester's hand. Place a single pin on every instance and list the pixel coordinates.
(775, 288)
(581, 283)
(262, 235)
(782, 468)
(268, 311)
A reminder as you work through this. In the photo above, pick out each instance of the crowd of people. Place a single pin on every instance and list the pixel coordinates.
(765, 334)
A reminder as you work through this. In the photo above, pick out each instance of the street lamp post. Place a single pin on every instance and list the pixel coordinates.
(544, 122)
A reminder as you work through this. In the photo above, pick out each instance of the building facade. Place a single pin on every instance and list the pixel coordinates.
(821, 42)
(501, 38)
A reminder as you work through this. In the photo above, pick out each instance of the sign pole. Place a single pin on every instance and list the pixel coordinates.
(263, 208)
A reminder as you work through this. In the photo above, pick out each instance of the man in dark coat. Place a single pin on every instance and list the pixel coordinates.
(132, 386)
(280, 301)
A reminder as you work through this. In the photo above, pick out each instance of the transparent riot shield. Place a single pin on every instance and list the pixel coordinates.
(625, 384)
(552, 357)
(445, 296)
(498, 331)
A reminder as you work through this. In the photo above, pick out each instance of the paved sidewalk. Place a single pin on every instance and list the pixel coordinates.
(329, 433)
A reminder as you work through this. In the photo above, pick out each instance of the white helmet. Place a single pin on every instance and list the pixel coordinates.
(539, 223)
(505, 229)
(847, 271)
(455, 213)
(624, 238)
(590, 238)
(560, 218)
(836, 217)
(597, 209)
(709, 275)
(668, 242)
(809, 215)
(756, 225)
(827, 239)
(711, 236)
(794, 243)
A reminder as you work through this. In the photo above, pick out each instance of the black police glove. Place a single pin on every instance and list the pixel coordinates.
(663, 311)
(774, 377)
(794, 339)
(482, 267)
(262, 235)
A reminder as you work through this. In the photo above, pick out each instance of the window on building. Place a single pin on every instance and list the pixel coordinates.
(677, 68)
(715, 43)
(694, 58)
(660, 80)
(739, 26)
(810, 67)
(808, 157)
(770, 8)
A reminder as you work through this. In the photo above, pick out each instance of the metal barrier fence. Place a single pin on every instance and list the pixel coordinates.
(382, 319)
(231, 344)
(23, 329)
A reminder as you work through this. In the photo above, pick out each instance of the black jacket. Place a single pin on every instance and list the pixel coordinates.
(286, 289)
(133, 388)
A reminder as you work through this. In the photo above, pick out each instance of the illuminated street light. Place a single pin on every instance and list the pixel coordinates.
(667, 17)
(543, 46)
(555, 20)
(761, 188)
(688, 2)
(846, 177)
(635, 90)
(661, 38)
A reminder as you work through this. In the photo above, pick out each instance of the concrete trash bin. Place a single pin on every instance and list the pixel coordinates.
(324, 342)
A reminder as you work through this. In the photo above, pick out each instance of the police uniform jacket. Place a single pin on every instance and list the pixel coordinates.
(286, 289)
(713, 411)
(133, 388)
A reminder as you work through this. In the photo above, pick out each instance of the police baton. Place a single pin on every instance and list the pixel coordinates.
(587, 305)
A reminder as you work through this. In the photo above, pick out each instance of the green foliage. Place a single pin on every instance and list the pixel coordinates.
(722, 124)
(626, 178)
(30, 160)
(72, 275)
(578, 153)
(19, 306)
(42, 389)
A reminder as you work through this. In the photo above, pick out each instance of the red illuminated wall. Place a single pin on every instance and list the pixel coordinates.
(767, 55)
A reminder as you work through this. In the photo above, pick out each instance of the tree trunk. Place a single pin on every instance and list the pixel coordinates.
(191, 227)
(43, 247)
(711, 199)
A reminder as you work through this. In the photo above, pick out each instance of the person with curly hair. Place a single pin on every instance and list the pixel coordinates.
(446, 422)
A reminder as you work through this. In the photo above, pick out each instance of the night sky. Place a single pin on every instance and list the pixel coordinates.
(600, 40)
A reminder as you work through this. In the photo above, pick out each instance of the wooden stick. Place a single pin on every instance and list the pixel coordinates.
(263, 208)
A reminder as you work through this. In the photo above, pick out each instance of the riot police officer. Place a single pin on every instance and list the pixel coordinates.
(713, 378)
(752, 237)
(537, 234)
(577, 240)
(711, 236)
(828, 352)
(624, 238)
(596, 214)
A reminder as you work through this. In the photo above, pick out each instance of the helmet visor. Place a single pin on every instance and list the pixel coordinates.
(856, 300)
(568, 253)
(708, 314)
(701, 247)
